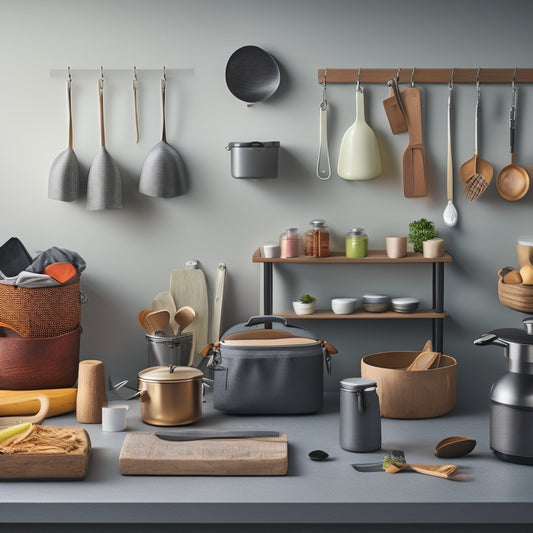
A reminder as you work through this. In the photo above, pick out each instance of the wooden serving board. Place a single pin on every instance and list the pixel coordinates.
(145, 454)
(72, 465)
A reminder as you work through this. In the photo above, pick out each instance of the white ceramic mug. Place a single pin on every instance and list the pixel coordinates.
(114, 417)
(396, 247)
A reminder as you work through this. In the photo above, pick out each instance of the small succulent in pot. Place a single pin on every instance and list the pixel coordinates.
(305, 305)
(420, 231)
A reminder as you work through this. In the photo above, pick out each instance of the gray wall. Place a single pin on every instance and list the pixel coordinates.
(130, 253)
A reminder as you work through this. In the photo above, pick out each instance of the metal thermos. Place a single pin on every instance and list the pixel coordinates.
(360, 419)
(511, 397)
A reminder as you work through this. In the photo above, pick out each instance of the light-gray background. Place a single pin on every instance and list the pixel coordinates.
(131, 252)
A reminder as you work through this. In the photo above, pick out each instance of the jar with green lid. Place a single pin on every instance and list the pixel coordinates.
(356, 243)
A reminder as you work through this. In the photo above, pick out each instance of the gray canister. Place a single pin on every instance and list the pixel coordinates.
(360, 419)
(254, 159)
(169, 350)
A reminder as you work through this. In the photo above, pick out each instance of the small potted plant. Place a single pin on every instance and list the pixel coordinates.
(420, 231)
(305, 305)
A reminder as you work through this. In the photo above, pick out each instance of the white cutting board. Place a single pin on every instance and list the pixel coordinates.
(188, 287)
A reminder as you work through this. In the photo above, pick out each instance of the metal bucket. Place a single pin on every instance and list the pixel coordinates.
(166, 351)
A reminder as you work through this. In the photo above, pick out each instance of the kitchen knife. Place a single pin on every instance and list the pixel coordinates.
(397, 455)
(183, 436)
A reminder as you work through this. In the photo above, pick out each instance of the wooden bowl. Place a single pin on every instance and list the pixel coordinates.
(411, 394)
(39, 363)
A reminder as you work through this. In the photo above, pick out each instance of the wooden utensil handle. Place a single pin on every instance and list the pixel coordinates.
(413, 110)
(443, 471)
(35, 419)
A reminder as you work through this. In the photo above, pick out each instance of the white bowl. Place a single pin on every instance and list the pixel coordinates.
(405, 305)
(343, 306)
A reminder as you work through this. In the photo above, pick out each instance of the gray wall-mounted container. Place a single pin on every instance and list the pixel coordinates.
(252, 160)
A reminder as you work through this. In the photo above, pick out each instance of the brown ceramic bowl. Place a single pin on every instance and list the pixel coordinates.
(411, 394)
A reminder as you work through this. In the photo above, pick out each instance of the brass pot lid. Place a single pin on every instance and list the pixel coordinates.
(169, 374)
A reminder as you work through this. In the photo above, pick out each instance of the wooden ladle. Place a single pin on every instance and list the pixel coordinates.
(183, 317)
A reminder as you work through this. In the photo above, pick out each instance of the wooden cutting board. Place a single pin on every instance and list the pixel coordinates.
(73, 465)
(188, 286)
(145, 454)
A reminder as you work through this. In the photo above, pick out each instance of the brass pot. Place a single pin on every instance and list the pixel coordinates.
(170, 395)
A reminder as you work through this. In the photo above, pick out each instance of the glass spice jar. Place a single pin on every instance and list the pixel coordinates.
(290, 243)
(316, 241)
(356, 243)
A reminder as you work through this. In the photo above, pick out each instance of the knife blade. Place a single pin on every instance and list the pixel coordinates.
(397, 455)
(184, 436)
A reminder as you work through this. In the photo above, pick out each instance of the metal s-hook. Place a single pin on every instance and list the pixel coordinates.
(164, 79)
(450, 83)
(512, 118)
(324, 103)
(69, 78)
(413, 77)
(478, 89)
(101, 79)
(357, 84)
(135, 114)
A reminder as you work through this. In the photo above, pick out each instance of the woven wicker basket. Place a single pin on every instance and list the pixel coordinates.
(41, 312)
(516, 296)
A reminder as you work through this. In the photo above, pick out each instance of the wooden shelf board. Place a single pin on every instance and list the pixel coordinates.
(374, 256)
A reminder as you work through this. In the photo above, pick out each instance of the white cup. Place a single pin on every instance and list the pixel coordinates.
(433, 248)
(396, 247)
(114, 417)
(271, 249)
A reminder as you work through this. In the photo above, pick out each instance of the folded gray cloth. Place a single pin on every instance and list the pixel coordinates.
(56, 255)
(31, 280)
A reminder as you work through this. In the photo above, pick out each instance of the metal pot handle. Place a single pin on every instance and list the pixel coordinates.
(490, 338)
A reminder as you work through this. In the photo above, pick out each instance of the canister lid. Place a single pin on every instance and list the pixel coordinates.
(318, 222)
(253, 144)
(360, 232)
(357, 384)
(525, 240)
(169, 374)
(375, 298)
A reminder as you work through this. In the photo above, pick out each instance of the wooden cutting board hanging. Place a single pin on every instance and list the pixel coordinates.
(188, 287)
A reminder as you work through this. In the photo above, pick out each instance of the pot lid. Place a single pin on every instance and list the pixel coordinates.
(357, 384)
(169, 374)
(518, 336)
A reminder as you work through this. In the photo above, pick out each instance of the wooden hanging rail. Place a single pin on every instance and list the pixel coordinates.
(426, 75)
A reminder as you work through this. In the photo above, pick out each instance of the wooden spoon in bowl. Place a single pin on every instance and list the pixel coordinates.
(423, 361)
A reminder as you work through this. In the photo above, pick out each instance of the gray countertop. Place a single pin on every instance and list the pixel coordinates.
(487, 491)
